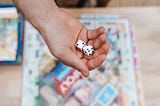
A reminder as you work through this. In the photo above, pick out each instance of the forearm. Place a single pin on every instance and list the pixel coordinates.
(38, 12)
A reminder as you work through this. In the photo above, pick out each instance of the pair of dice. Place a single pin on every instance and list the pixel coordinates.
(87, 49)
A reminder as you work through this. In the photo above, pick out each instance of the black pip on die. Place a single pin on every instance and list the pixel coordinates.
(87, 49)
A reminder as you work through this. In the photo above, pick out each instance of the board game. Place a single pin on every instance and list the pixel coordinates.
(115, 83)
(10, 34)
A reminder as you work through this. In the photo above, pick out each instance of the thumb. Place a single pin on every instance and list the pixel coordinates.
(73, 61)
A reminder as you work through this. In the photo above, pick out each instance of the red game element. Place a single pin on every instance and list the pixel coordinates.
(64, 87)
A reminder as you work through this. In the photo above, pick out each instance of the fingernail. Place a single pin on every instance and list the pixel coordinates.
(85, 73)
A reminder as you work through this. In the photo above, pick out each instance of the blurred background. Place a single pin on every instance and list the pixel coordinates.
(144, 16)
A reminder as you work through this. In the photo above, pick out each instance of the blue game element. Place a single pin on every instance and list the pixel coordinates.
(60, 72)
(106, 95)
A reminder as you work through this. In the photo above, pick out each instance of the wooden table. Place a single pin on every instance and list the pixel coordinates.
(146, 25)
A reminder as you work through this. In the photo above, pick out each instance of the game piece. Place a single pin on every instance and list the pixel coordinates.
(80, 44)
(88, 50)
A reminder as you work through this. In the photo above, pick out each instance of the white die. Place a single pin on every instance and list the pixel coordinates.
(80, 44)
(88, 50)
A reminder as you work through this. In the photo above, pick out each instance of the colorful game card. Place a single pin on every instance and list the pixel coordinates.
(106, 95)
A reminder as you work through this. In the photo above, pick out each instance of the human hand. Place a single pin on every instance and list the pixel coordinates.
(67, 3)
(62, 32)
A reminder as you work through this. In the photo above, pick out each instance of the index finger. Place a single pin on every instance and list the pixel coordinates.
(95, 33)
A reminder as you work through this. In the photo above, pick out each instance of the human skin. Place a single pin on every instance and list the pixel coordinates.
(61, 31)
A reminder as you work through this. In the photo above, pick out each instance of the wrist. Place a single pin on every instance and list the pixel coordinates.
(42, 15)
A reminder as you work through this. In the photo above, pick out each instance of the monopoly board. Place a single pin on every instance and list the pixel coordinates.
(114, 83)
